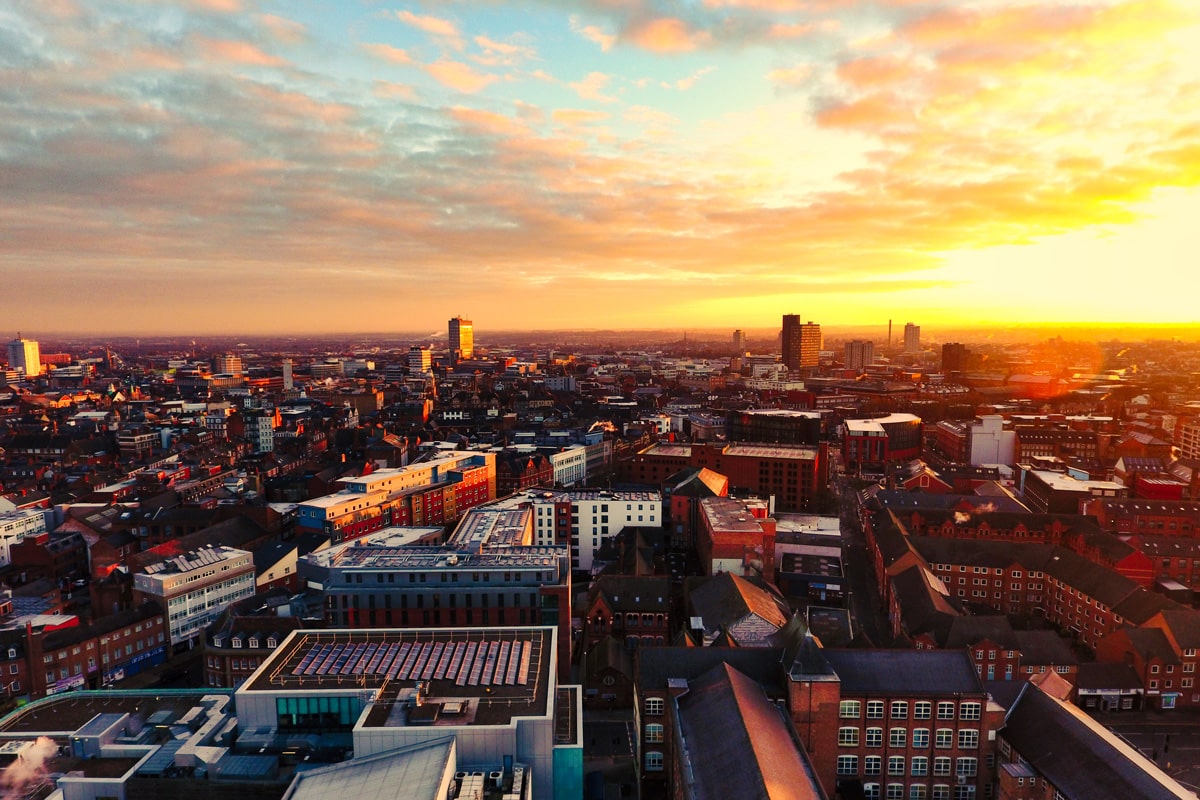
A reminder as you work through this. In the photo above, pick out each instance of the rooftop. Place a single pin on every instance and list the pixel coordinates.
(474, 676)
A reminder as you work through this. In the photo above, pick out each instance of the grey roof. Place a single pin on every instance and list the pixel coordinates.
(1078, 756)
(657, 665)
(1044, 647)
(969, 631)
(936, 672)
(418, 768)
(735, 743)
(1099, 676)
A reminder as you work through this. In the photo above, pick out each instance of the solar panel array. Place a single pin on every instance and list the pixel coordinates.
(472, 663)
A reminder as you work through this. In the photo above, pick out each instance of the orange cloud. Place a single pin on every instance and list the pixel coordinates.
(591, 87)
(488, 122)
(595, 34)
(666, 35)
(576, 116)
(501, 53)
(285, 30)
(876, 71)
(390, 89)
(237, 52)
(434, 26)
(388, 53)
(791, 77)
(459, 76)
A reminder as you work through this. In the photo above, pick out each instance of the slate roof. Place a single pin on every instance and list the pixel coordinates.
(1151, 643)
(1100, 676)
(915, 672)
(1044, 647)
(632, 593)
(1078, 756)
(923, 607)
(736, 743)
(656, 665)
(966, 632)
(725, 600)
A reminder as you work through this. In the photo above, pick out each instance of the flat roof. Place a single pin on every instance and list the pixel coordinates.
(475, 676)
(482, 527)
(62, 715)
(434, 557)
(760, 450)
(727, 515)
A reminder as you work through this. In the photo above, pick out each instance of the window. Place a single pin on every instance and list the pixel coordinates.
(944, 739)
(922, 709)
(916, 792)
(654, 761)
(940, 791)
(970, 711)
(654, 708)
(941, 766)
(874, 737)
(895, 791)
(920, 737)
(654, 733)
(899, 709)
(920, 766)
(847, 765)
(1154, 669)
(945, 711)
(850, 709)
(872, 765)
(871, 791)
(968, 767)
(898, 737)
(848, 737)
(968, 739)
(895, 765)
(874, 709)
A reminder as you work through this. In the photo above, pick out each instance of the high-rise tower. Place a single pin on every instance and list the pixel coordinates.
(912, 338)
(790, 341)
(25, 355)
(462, 339)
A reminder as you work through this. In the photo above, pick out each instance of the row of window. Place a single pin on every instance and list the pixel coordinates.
(943, 739)
(917, 766)
(922, 709)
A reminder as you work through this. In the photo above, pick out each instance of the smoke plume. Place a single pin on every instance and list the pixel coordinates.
(29, 766)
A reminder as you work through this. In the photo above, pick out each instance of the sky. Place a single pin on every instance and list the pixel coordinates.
(245, 166)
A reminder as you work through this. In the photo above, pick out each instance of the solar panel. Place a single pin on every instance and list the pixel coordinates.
(457, 650)
(523, 673)
(489, 664)
(394, 658)
(468, 664)
(434, 657)
(514, 661)
(439, 671)
(502, 662)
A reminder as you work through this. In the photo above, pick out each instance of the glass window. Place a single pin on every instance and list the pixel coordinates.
(922, 709)
(916, 792)
(968, 739)
(874, 737)
(654, 761)
(654, 733)
(850, 709)
(847, 765)
(944, 738)
(654, 707)
(898, 737)
(967, 767)
(871, 791)
(941, 766)
(939, 791)
(920, 766)
(970, 710)
(945, 710)
(895, 765)
(920, 737)
(895, 791)
(874, 709)
(872, 765)
(899, 709)
(848, 737)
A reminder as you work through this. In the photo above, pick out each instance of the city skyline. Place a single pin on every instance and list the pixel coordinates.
(219, 166)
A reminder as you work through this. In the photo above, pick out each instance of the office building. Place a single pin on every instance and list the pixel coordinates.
(195, 587)
(462, 340)
(739, 342)
(25, 355)
(493, 690)
(810, 345)
(228, 364)
(420, 359)
(860, 354)
(954, 357)
(790, 341)
(912, 338)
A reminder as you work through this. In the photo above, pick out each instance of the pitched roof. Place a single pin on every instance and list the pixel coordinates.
(725, 600)
(1081, 759)
(631, 592)
(735, 742)
(907, 671)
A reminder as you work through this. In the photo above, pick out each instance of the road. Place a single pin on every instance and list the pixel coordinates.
(864, 604)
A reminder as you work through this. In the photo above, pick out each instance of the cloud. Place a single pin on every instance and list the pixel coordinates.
(489, 123)
(442, 29)
(237, 52)
(284, 30)
(684, 84)
(591, 87)
(392, 90)
(459, 76)
(387, 52)
(594, 34)
(502, 53)
(666, 35)
(576, 116)
(790, 77)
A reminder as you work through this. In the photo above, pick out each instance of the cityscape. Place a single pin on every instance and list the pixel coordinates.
(599, 400)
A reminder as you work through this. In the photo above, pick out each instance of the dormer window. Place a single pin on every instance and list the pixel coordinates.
(254, 642)
(237, 642)
(12, 652)
(272, 642)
